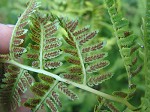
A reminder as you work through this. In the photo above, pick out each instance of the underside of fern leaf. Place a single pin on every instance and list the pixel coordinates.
(16, 49)
(44, 53)
(13, 85)
(84, 63)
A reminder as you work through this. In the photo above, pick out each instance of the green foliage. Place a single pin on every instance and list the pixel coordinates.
(59, 53)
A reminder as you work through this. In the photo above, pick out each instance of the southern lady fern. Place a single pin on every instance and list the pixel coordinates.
(53, 43)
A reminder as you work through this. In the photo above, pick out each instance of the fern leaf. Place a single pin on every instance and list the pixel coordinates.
(81, 31)
(95, 80)
(120, 94)
(97, 66)
(112, 107)
(88, 37)
(73, 60)
(55, 97)
(31, 55)
(95, 57)
(63, 88)
(44, 93)
(73, 77)
(72, 25)
(28, 78)
(52, 46)
(136, 71)
(19, 30)
(70, 42)
(125, 38)
(52, 54)
(41, 86)
(32, 102)
(70, 51)
(76, 69)
(50, 40)
(13, 83)
(46, 79)
(18, 42)
(35, 39)
(37, 91)
(93, 47)
(76, 40)
(35, 64)
(52, 65)
(22, 86)
(4, 57)
(19, 50)
(51, 105)
(44, 46)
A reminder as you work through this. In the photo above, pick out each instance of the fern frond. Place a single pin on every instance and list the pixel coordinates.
(45, 46)
(81, 55)
(13, 84)
(45, 94)
(16, 42)
(125, 39)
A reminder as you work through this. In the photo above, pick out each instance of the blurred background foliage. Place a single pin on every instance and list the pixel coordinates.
(93, 13)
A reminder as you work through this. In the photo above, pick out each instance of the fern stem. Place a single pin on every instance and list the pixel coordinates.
(81, 86)
(41, 47)
(45, 96)
(81, 61)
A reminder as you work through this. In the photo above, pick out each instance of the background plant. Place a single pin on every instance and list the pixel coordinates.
(99, 19)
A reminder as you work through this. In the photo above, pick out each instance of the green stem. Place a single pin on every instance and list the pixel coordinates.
(82, 62)
(41, 46)
(81, 86)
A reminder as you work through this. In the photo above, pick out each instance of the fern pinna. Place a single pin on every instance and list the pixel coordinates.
(42, 53)
(126, 41)
(81, 55)
(13, 85)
